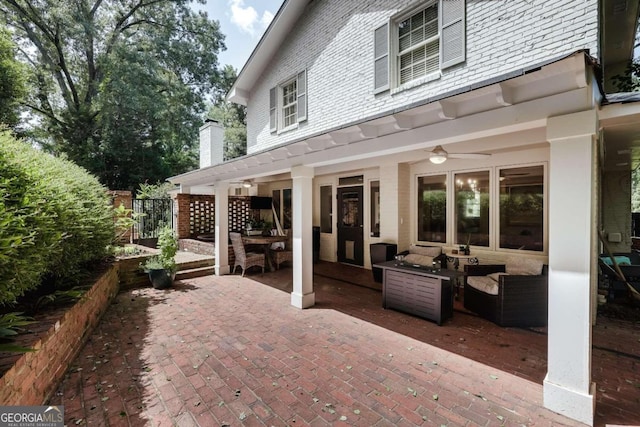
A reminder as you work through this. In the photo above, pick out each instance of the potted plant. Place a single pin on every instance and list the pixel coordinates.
(255, 227)
(162, 267)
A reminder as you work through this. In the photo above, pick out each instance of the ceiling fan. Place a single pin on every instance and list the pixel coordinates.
(247, 183)
(439, 155)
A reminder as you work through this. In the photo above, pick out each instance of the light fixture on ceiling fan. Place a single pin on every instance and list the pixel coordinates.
(246, 183)
(439, 155)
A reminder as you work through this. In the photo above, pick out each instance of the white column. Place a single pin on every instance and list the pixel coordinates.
(302, 229)
(395, 189)
(221, 251)
(572, 247)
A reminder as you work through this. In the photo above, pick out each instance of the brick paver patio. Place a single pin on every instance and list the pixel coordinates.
(218, 351)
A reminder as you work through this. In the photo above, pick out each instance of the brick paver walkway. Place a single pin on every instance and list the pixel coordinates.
(218, 351)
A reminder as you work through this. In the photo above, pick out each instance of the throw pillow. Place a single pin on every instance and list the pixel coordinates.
(432, 251)
(524, 266)
(496, 276)
(419, 260)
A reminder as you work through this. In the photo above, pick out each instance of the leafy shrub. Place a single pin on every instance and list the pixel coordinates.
(10, 325)
(166, 259)
(54, 218)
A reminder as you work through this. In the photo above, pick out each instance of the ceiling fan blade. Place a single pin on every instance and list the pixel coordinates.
(468, 155)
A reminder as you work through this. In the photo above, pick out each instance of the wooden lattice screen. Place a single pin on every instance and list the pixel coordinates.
(202, 214)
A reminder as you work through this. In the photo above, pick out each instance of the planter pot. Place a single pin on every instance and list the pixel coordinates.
(161, 279)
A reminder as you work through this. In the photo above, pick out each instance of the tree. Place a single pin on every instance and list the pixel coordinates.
(119, 84)
(12, 81)
(232, 116)
(629, 80)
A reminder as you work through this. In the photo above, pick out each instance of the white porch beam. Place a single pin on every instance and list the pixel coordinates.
(572, 247)
(448, 110)
(279, 153)
(185, 189)
(297, 149)
(302, 228)
(340, 138)
(319, 143)
(505, 95)
(264, 158)
(251, 161)
(403, 121)
(368, 131)
(221, 250)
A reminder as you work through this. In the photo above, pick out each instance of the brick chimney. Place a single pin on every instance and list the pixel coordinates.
(211, 143)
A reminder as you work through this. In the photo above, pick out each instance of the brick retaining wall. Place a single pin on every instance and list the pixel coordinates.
(131, 275)
(35, 375)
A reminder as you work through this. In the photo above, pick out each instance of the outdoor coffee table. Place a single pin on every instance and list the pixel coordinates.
(417, 290)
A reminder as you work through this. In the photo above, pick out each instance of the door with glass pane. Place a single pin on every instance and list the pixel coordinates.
(350, 228)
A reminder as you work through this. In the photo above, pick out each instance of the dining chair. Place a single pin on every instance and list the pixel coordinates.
(244, 259)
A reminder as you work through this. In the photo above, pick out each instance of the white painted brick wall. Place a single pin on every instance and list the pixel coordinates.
(616, 195)
(333, 40)
(211, 144)
(395, 210)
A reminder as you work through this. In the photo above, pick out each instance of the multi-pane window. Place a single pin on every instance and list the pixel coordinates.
(522, 208)
(472, 208)
(432, 208)
(419, 45)
(289, 103)
(511, 218)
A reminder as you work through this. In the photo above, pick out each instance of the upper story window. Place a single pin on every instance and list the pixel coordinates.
(288, 103)
(419, 45)
(414, 46)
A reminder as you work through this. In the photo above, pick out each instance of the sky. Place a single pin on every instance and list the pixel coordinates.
(242, 22)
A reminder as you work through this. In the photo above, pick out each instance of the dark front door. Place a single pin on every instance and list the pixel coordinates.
(350, 229)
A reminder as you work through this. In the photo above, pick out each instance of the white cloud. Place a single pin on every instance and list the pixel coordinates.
(246, 18)
(267, 17)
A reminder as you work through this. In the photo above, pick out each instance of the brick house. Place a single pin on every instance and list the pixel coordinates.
(412, 121)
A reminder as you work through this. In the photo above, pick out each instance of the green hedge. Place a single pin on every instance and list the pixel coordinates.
(54, 218)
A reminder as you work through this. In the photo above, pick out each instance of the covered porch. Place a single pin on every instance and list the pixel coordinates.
(541, 122)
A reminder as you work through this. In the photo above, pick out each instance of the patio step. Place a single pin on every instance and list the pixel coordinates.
(200, 263)
(195, 272)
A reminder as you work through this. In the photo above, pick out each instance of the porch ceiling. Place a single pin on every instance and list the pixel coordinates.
(504, 113)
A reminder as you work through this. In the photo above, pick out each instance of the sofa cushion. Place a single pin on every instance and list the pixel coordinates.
(484, 284)
(523, 266)
(432, 251)
(496, 276)
(416, 259)
(620, 260)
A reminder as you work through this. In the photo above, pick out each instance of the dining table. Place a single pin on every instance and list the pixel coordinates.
(265, 243)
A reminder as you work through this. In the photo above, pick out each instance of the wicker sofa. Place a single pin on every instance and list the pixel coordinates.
(513, 300)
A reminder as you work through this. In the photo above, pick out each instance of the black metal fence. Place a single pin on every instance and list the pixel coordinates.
(153, 214)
